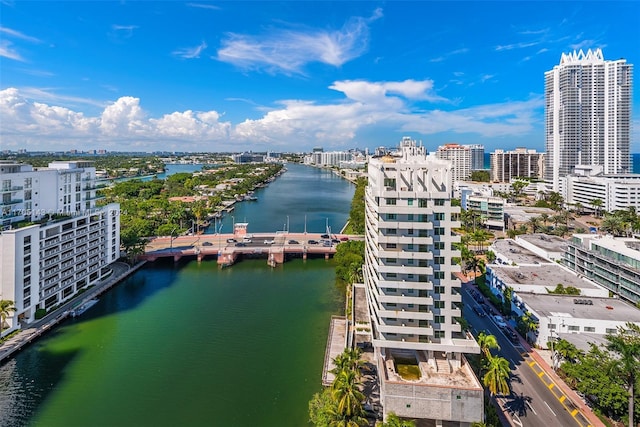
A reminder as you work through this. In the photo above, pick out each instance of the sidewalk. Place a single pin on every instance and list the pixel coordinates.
(33, 330)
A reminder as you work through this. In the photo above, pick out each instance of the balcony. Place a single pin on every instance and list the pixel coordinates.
(10, 202)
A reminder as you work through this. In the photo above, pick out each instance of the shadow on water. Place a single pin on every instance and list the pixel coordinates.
(136, 289)
(27, 380)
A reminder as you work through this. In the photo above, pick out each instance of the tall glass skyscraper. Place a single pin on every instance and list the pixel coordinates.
(587, 115)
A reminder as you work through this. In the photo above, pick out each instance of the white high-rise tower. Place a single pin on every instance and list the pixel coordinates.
(587, 115)
(413, 295)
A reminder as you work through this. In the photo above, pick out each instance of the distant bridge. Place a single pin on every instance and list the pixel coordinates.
(227, 248)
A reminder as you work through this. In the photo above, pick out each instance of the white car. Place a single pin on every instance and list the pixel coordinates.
(269, 242)
(500, 322)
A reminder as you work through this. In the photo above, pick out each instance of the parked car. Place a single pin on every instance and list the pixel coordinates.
(293, 242)
(324, 236)
(344, 239)
(207, 244)
(269, 242)
(246, 239)
(335, 241)
(241, 244)
(512, 335)
(312, 242)
(231, 240)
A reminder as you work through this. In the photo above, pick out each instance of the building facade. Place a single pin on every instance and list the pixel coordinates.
(518, 163)
(617, 192)
(611, 262)
(460, 157)
(587, 115)
(54, 240)
(490, 209)
(477, 156)
(413, 296)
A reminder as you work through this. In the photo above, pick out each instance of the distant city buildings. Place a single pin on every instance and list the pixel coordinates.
(328, 159)
(587, 115)
(248, 158)
(477, 156)
(587, 184)
(413, 295)
(460, 157)
(518, 163)
(54, 241)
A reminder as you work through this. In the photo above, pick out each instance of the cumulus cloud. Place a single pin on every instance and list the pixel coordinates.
(399, 106)
(288, 51)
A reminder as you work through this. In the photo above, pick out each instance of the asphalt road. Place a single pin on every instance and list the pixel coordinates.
(535, 400)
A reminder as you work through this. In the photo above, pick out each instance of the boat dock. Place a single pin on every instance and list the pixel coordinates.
(336, 343)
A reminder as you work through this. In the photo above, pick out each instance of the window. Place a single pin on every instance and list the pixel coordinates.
(438, 202)
(589, 329)
(410, 217)
(27, 240)
(391, 216)
(391, 246)
(410, 261)
(438, 289)
(438, 260)
(552, 326)
(438, 245)
(438, 216)
(438, 304)
(438, 334)
(390, 182)
(438, 274)
(574, 328)
(390, 201)
(392, 231)
(410, 231)
(392, 275)
(392, 260)
(410, 203)
(438, 319)
(438, 231)
(611, 331)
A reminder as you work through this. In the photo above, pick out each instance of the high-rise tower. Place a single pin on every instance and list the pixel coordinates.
(413, 294)
(587, 115)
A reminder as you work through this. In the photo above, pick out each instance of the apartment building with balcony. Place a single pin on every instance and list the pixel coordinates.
(518, 163)
(612, 262)
(54, 240)
(413, 296)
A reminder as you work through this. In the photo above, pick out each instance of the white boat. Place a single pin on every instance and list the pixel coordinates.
(84, 307)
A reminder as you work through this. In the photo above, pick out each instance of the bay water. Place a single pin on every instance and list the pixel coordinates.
(189, 344)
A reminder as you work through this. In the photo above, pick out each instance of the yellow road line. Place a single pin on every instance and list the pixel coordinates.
(540, 374)
(551, 386)
(574, 412)
(562, 398)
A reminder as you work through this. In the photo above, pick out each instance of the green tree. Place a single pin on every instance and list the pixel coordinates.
(480, 176)
(395, 421)
(497, 377)
(347, 395)
(517, 187)
(491, 256)
(626, 344)
(6, 308)
(596, 204)
(486, 343)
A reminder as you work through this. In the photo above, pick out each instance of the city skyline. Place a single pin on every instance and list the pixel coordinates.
(236, 76)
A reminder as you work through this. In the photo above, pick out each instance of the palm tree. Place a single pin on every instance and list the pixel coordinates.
(534, 223)
(613, 224)
(597, 204)
(497, 377)
(6, 308)
(487, 342)
(476, 264)
(626, 343)
(347, 395)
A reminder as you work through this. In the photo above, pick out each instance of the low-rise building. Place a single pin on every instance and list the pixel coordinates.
(617, 192)
(561, 315)
(490, 209)
(545, 245)
(612, 262)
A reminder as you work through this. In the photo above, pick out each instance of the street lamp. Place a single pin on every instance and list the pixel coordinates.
(287, 224)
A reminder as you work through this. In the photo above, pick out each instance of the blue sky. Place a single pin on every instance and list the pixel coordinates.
(288, 76)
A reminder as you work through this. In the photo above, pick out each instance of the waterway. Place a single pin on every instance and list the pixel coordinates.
(190, 344)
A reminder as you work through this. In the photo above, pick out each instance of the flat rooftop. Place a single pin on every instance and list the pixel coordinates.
(626, 246)
(583, 339)
(548, 275)
(462, 377)
(511, 249)
(545, 242)
(611, 309)
(525, 213)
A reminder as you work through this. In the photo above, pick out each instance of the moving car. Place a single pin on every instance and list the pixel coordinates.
(313, 242)
(324, 236)
(207, 244)
(231, 240)
(479, 311)
(241, 244)
(269, 242)
(500, 322)
(293, 242)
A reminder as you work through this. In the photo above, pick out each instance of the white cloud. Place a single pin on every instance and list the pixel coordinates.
(398, 106)
(190, 52)
(516, 46)
(288, 51)
(123, 31)
(6, 51)
(203, 6)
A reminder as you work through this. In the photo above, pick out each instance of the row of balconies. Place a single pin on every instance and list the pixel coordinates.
(51, 261)
(10, 202)
(7, 189)
(51, 242)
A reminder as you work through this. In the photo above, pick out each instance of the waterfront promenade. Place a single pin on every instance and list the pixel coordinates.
(32, 331)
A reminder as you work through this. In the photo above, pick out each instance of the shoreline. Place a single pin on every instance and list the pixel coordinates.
(26, 336)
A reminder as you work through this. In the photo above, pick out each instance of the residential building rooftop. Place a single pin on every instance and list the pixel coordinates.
(516, 253)
(606, 309)
(547, 242)
(548, 276)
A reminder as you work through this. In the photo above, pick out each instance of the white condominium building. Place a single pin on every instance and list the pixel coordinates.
(587, 115)
(617, 192)
(54, 240)
(460, 157)
(413, 295)
(518, 163)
